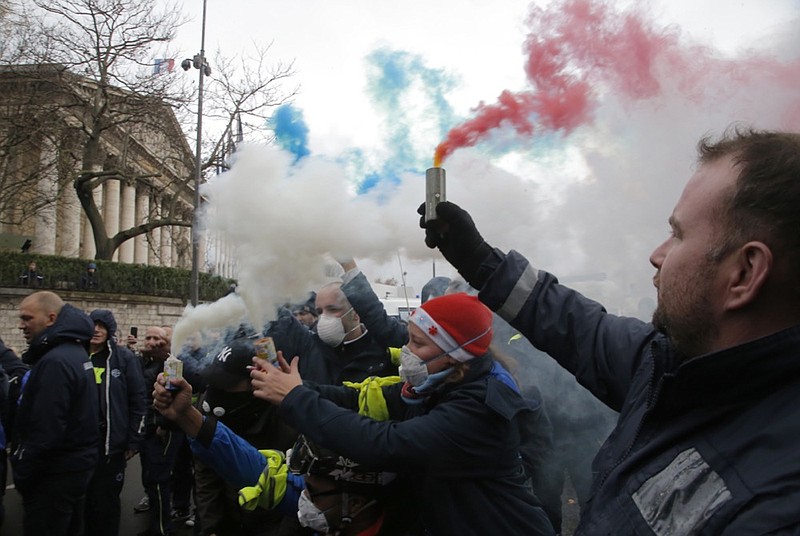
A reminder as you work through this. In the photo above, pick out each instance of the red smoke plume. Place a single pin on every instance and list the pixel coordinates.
(579, 49)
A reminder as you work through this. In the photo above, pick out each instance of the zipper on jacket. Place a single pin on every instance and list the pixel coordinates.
(107, 381)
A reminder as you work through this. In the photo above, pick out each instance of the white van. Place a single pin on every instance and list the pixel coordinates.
(400, 307)
(398, 301)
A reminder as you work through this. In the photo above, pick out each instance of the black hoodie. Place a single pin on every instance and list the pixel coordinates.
(56, 426)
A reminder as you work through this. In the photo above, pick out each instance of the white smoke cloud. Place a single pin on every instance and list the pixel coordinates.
(594, 203)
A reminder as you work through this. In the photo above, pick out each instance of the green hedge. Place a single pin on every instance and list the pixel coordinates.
(117, 278)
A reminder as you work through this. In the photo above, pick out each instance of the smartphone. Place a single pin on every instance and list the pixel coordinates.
(134, 331)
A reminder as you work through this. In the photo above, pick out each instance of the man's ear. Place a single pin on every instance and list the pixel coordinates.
(751, 267)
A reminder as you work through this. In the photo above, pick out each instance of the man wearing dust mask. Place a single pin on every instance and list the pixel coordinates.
(338, 323)
(341, 349)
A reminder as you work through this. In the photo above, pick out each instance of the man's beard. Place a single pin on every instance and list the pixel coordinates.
(687, 317)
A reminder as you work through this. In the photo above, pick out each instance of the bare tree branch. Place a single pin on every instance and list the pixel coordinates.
(78, 76)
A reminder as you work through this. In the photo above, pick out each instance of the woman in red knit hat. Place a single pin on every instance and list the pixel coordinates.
(448, 425)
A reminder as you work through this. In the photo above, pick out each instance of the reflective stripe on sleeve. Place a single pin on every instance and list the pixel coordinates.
(519, 294)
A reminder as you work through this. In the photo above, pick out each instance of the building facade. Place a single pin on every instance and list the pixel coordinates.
(138, 158)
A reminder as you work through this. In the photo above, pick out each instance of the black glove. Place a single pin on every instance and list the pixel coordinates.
(456, 236)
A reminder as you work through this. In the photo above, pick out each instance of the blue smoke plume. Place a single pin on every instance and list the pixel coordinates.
(393, 75)
(291, 131)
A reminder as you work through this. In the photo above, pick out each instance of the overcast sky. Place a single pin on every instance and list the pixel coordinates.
(383, 82)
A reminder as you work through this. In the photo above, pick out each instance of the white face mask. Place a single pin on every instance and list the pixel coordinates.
(412, 368)
(310, 516)
(330, 329)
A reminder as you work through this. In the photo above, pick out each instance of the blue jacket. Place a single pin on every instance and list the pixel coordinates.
(705, 446)
(460, 448)
(56, 425)
(239, 462)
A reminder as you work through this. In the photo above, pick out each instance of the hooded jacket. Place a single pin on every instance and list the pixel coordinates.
(56, 424)
(705, 446)
(122, 400)
(459, 449)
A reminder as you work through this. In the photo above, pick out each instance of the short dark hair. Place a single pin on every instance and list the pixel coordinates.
(765, 202)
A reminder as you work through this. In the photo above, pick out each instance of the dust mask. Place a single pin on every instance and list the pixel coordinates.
(330, 329)
(412, 368)
(310, 516)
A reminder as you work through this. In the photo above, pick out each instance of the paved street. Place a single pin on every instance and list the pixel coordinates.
(132, 523)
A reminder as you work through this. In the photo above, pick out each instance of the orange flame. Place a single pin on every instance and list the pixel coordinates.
(441, 152)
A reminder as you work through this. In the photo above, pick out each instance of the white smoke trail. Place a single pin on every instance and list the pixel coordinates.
(226, 311)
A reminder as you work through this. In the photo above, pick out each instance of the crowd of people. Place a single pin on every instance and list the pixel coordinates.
(464, 419)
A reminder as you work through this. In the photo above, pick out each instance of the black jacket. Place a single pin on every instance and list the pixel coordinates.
(89, 282)
(56, 426)
(460, 449)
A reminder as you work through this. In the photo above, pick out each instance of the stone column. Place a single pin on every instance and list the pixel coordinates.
(217, 254)
(231, 260)
(142, 215)
(45, 220)
(127, 219)
(70, 212)
(184, 250)
(111, 191)
(166, 246)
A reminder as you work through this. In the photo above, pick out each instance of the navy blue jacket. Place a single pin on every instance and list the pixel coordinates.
(537, 431)
(385, 329)
(123, 392)
(124, 397)
(706, 446)
(15, 370)
(459, 448)
(56, 425)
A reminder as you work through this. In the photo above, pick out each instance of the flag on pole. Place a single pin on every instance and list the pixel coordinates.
(164, 65)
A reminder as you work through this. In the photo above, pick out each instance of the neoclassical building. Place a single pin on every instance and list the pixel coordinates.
(142, 160)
